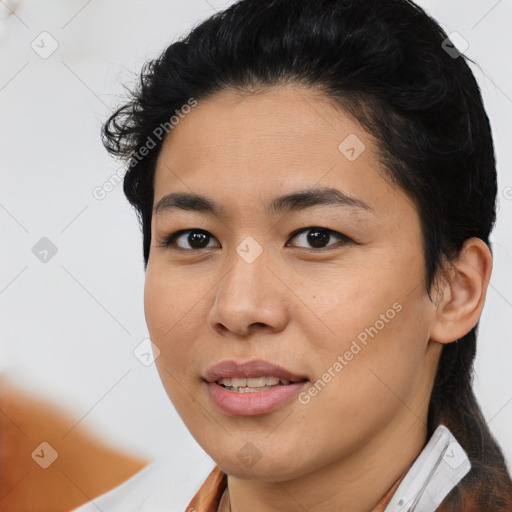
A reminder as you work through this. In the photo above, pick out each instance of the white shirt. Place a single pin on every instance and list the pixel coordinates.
(439, 467)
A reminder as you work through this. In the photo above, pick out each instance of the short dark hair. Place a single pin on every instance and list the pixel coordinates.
(389, 65)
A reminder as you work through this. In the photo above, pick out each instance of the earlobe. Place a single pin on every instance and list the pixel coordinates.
(462, 294)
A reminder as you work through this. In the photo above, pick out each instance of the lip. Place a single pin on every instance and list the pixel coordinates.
(254, 368)
(254, 403)
(233, 403)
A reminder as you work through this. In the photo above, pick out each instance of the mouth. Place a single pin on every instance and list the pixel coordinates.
(244, 374)
(253, 384)
(251, 388)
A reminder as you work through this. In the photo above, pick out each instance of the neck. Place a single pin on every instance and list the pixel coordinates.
(354, 484)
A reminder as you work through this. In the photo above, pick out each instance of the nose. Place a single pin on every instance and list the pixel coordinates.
(249, 298)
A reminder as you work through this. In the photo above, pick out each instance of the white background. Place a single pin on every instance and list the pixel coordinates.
(69, 326)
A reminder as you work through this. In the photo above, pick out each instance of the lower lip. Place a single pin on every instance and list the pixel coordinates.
(255, 402)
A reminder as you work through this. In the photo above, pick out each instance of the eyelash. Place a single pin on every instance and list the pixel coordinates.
(170, 240)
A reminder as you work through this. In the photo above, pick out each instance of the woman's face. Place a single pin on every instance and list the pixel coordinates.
(343, 309)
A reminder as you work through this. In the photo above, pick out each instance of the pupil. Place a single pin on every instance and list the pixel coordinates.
(318, 237)
(197, 239)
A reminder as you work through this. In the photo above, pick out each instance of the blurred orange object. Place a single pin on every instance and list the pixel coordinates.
(49, 465)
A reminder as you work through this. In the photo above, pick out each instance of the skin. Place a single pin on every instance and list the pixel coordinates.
(298, 305)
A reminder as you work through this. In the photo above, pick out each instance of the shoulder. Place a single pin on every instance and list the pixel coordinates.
(155, 488)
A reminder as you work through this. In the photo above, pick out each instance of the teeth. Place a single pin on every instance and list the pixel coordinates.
(256, 382)
(247, 385)
(249, 390)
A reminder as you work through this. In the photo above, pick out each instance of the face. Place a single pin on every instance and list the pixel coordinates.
(326, 284)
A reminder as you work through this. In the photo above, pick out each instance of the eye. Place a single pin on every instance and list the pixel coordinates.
(319, 238)
(196, 239)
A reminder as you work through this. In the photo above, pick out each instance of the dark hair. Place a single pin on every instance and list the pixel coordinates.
(388, 64)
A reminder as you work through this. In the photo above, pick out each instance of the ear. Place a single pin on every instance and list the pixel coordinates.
(462, 292)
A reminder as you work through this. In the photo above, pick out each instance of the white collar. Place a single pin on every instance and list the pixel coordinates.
(438, 469)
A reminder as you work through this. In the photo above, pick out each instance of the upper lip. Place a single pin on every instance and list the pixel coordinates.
(255, 368)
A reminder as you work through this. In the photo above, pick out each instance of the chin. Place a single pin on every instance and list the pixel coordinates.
(263, 468)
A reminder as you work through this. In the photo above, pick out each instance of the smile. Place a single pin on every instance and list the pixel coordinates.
(252, 384)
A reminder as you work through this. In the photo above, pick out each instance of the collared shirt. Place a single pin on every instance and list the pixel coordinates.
(437, 470)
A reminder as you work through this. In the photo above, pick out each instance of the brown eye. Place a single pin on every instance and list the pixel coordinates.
(190, 239)
(319, 238)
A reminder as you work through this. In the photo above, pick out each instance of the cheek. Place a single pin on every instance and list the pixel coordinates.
(379, 324)
(171, 302)
(171, 309)
(350, 302)
(381, 362)
(172, 324)
(158, 304)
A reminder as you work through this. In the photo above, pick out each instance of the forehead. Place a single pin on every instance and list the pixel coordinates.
(248, 146)
(279, 122)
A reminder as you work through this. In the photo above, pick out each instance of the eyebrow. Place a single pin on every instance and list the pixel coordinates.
(296, 201)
